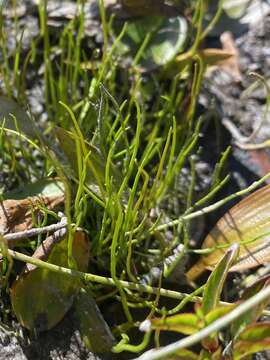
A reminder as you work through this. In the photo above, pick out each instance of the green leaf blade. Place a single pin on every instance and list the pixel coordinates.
(214, 285)
(184, 323)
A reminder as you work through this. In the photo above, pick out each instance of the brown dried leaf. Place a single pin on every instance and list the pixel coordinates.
(17, 211)
(17, 215)
(260, 160)
(231, 64)
(247, 224)
(211, 57)
(215, 56)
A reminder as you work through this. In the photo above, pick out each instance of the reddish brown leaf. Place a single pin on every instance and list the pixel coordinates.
(16, 215)
(17, 210)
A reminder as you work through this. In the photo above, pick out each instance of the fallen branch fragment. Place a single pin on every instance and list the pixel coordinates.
(12, 237)
(17, 215)
(88, 277)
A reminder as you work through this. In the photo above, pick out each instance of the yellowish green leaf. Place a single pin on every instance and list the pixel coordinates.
(41, 188)
(251, 316)
(183, 323)
(214, 285)
(254, 338)
(218, 312)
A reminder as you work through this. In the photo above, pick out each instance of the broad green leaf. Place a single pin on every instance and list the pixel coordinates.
(40, 298)
(94, 331)
(184, 323)
(10, 109)
(246, 224)
(251, 316)
(214, 285)
(212, 293)
(162, 37)
(211, 343)
(255, 332)
(42, 188)
(244, 348)
(254, 338)
(218, 312)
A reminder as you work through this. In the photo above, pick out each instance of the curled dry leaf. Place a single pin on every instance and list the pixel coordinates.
(16, 215)
(16, 212)
(210, 57)
(246, 224)
(40, 298)
(215, 56)
(231, 64)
